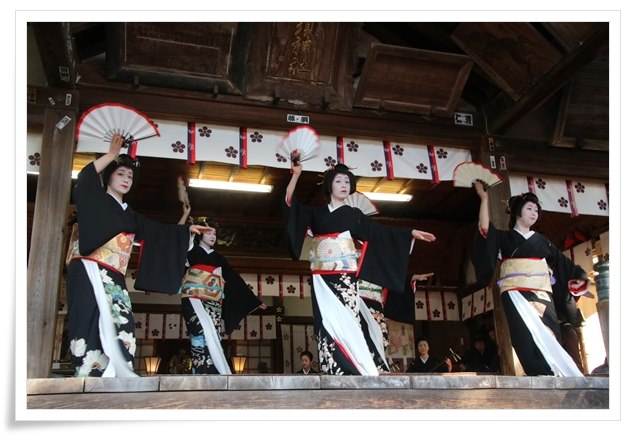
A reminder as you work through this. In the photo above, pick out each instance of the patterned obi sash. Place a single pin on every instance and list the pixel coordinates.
(333, 254)
(525, 274)
(367, 290)
(115, 254)
(203, 282)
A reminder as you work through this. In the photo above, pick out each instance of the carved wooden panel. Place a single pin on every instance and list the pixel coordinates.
(303, 63)
(514, 55)
(583, 116)
(188, 55)
(412, 80)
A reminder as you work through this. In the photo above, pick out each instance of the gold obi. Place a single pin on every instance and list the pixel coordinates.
(525, 274)
(114, 254)
(203, 282)
(367, 290)
(333, 254)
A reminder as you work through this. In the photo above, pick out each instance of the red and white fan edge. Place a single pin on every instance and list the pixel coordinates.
(98, 124)
(300, 144)
(466, 173)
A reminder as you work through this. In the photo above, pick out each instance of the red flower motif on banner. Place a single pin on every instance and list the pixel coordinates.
(299, 349)
(451, 305)
(138, 324)
(420, 305)
(204, 131)
(155, 332)
(281, 158)
(250, 287)
(231, 152)
(376, 166)
(352, 146)
(286, 336)
(178, 147)
(436, 313)
(541, 184)
(291, 289)
(398, 150)
(422, 168)
(269, 280)
(442, 154)
(35, 159)
(579, 187)
(256, 137)
(602, 205)
(329, 161)
(253, 333)
(563, 202)
(268, 326)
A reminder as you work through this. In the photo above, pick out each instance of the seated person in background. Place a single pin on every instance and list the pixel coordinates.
(425, 363)
(306, 363)
(479, 359)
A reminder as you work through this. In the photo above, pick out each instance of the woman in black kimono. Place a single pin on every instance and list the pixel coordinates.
(425, 363)
(535, 276)
(349, 340)
(101, 323)
(212, 291)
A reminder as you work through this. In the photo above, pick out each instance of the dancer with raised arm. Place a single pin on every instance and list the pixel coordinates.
(349, 340)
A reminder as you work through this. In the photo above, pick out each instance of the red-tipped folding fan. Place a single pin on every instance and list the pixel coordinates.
(468, 172)
(300, 144)
(99, 123)
(362, 202)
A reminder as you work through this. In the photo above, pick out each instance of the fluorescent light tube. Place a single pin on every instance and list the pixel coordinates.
(233, 186)
(389, 197)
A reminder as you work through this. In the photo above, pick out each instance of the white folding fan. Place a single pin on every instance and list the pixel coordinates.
(300, 144)
(466, 173)
(99, 123)
(181, 191)
(362, 202)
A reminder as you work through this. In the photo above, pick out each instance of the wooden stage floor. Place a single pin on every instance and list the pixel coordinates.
(390, 391)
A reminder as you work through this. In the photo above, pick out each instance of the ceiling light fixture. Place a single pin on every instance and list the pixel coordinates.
(233, 186)
(389, 197)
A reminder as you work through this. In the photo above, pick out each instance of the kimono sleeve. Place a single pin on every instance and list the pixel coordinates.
(298, 218)
(484, 255)
(564, 269)
(401, 306)
(162, 257)
(238, 300)
(386, 257)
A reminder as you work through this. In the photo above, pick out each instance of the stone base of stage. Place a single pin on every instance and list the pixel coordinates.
(391, 391)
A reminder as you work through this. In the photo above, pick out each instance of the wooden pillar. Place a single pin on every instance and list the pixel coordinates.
(46, 257)
(498, 195)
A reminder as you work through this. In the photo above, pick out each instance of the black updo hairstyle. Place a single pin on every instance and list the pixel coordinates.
(122, 160)
(203, 221)
(515, 204)
(329, 175)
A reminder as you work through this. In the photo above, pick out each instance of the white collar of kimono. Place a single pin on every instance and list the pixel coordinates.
(527, 235)
(124, 205)
(332, 208)
(207, 249)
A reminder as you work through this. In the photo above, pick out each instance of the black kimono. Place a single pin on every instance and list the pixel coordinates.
(537, 356)
(430, 366)
(203, 317)
(349, 339)
(101, 324)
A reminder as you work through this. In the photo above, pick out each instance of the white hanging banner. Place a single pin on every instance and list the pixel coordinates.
(172, 326)
(262, 148)
(140, 325)
(590, 197)
(252, 281)
(291, 285)
(34, 152)
(253, 325)
(217, 143)
(411, 161)
(172, 141)
(286, 339)
(447, 159)
(583, 256)
(421, 305)
(155, 326)
(467, 307)
(268, 324)
(269, 285)
(365, 157)
(604, 240)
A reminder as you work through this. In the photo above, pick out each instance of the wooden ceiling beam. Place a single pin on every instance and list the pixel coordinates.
(552, 82)
(57, 53)
(178, 105)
